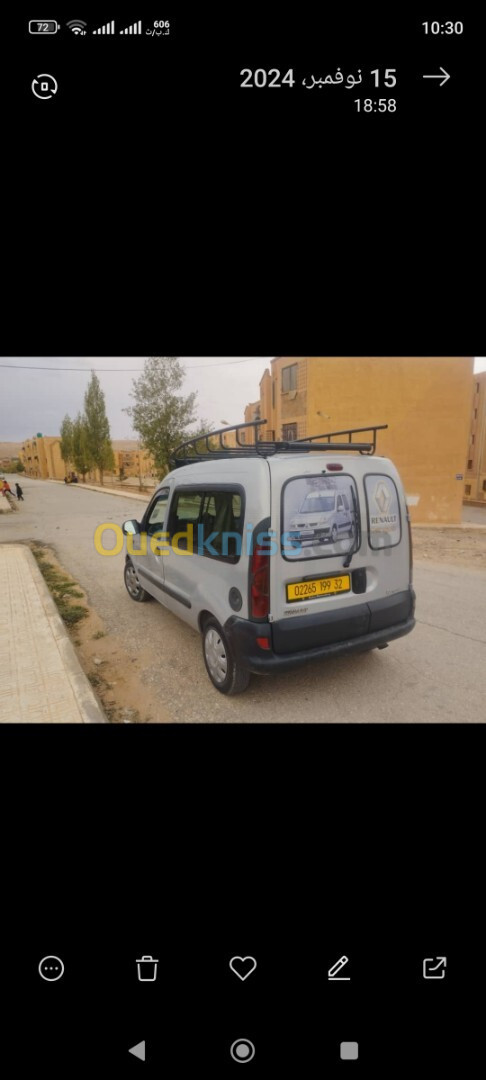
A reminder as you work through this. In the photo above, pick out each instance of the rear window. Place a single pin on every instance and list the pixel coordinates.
(384, 523)
(320, 516)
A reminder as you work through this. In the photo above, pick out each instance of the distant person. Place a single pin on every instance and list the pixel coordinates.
(6, 487)
(20, 494)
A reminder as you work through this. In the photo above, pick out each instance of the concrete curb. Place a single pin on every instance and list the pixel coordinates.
(109, 491)
(61, 689)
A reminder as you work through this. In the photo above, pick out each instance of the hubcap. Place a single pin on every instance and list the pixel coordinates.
(133, 584)
(215, 655)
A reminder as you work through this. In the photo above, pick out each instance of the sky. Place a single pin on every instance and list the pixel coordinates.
(36, 400)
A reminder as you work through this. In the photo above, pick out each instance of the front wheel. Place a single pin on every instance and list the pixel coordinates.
(225, 672)
(133, 585)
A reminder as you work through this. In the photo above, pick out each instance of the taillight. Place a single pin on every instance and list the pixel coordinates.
(260, 583)
(410, 547)
(334, 468)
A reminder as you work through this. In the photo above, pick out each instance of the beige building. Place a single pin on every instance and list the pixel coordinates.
(426, 402)
(475, 476)
(130, 462)
(42, 459)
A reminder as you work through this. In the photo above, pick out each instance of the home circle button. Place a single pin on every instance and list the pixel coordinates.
(242, 1050)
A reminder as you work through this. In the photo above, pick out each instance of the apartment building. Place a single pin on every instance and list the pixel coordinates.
(475, 475)
(42, 459)
(426, 402)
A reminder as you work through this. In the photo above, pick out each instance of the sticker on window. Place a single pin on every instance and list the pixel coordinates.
(383, 511)
(320, 515)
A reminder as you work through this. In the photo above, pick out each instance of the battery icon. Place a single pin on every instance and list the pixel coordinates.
(49, 26)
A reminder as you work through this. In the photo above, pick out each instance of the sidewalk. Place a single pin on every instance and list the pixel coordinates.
(41, 680)
(109, 491)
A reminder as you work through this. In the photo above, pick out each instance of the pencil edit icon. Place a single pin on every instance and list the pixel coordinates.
(334, 971)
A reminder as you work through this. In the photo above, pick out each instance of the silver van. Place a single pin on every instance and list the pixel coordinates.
(277, 552)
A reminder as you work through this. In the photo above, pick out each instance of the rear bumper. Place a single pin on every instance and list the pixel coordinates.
(299, 639)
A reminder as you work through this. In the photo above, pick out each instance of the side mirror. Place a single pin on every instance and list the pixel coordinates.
(130, 528)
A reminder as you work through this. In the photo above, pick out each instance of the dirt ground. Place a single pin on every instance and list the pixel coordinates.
(463, 547)
(114, 675)
(119, 679)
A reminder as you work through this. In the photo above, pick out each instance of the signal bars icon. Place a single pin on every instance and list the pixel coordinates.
(108, 28)
(135, 28)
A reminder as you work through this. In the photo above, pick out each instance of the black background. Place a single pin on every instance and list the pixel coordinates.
(149, 212)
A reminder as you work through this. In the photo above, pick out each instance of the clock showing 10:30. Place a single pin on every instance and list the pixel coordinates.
(443, 28)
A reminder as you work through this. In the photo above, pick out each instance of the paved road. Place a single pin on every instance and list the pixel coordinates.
(434, 674)
(475, 514)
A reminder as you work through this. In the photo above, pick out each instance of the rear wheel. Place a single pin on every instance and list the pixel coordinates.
(226, 673)
(133, 585)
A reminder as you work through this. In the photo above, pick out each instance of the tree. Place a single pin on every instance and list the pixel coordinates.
(161, 415)
(203, 428)
(19, 466)
(67, 440)
(80, 451)
(98, 442)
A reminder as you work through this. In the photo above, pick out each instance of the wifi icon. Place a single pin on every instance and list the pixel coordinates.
(77, 26)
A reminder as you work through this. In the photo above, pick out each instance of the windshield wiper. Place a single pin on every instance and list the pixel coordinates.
(355, 545)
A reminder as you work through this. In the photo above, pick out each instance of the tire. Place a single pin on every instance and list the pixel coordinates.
(226, 673)
(133, 586)
(334, 534)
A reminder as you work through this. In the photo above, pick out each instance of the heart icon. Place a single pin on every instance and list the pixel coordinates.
(242, 966)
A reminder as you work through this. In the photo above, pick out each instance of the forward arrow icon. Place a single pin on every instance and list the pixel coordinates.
(445, 76)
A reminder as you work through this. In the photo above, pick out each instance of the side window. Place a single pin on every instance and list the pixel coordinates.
(216, 518)
(157, 513)
(384, 526)
(186, 510)
(340, 503)
(221, 524)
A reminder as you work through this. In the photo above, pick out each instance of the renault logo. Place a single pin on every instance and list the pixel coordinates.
(382, 497)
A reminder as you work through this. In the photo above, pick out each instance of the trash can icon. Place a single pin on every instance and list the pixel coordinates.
(147, 969)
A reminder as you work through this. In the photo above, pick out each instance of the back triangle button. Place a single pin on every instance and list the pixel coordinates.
(138, 1051)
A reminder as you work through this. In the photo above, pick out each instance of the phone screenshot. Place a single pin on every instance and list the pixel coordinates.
(242, 541)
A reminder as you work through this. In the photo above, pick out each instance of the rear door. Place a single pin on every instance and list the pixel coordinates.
(308, 579)
(311, 577)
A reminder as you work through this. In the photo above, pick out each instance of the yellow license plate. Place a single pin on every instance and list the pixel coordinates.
(324, 586)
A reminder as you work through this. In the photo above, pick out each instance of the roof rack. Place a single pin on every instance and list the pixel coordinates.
(188, 452)
(364, 448)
